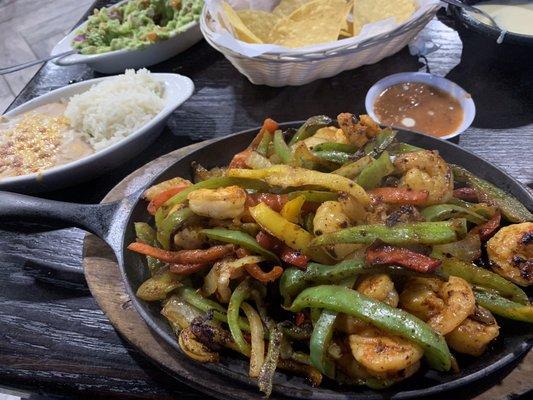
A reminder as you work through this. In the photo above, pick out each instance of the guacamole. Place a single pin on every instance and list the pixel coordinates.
(135, 24)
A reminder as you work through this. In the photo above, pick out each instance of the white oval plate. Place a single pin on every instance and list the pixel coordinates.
(117, 61)
(443, 84)
(178, 88)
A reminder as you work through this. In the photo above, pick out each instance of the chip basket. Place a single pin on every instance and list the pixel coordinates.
(297, 68)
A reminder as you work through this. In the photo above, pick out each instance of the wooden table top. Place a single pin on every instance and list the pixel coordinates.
(53, 336)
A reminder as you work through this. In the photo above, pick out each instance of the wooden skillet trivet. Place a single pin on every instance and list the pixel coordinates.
(103, 277)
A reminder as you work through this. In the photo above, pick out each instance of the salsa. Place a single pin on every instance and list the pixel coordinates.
(419, 107)
(135, 24)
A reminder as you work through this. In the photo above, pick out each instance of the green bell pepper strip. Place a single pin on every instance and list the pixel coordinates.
(428, 233)
(296, 332)
(503, 307)
(171, 224)
(310, 127)
(281, 149)
(319, 342)
(509, 206)
(334, 146)
(321, 338)
(338, 157)
(371, 176)
(482, 277)
(353, 169)
(401, 148)
(239, 238)
(262, 147)
(214, 183)
(381, 315)
(380, 143)
(316, 196)
(485, 210)
(146, 234)
(440, 212)
(294, 280)
(243, 292)
(309, 222)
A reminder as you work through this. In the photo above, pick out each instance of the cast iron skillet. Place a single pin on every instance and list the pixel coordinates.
(113, 223)
(488, 30)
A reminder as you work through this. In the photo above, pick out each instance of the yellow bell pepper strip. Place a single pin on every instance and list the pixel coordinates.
(281, 149)
(146, 234)
(171, 224)
(353, 169)
(510, 207)
(291, 234)
(240, 238)
(503, 307)
(392, 320)
(214, 183)
(310, 127)
(334, 146)
(291, 210)
(257, 161)
(314, 196)
(440, 212)
(286, 176)
(262, 147)
(321, 338)
(481, 277)
(371, 176)
(428, 233)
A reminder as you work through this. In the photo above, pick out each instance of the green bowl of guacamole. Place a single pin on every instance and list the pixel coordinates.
(135, 24)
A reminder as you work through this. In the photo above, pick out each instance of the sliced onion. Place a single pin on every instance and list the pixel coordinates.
(257, 355)
(194, 349)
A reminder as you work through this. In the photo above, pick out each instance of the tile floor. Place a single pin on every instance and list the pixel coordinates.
(29, 29)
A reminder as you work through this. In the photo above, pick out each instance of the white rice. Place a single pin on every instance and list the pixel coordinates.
(113, 109)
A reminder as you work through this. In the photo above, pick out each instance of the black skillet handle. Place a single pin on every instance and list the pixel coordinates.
(99, 219)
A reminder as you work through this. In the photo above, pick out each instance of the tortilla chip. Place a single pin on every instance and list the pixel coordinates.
(286, 7)
(316, 22)
(368, 11)
(259, 22)
(240, 30)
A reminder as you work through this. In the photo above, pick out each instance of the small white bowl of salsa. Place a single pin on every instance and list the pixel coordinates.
(421, 102)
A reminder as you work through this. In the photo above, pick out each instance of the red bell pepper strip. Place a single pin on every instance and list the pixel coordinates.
(274, 201)
(162, 197)
(183, 256)
(394, 195)
(489, 228)
(256, 272)
(287, 254)
(239, 159)
(466, 194)
(294, 257)
(187, 269)
(391, 255)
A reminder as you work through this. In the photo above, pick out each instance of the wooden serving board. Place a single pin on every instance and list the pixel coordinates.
(105, 282)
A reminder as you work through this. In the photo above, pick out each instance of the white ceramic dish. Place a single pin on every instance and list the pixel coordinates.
(117, 61)
(178, 88)
(444, 84)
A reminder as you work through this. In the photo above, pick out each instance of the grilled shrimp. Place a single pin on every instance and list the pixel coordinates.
(443, 305)
(221, 203)
(375, 213)
(472, 337)
(382, 353)
(327, 134)
(329, 218)
(510, 251)
(426, 170)
(379, 287)
(358, 132)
